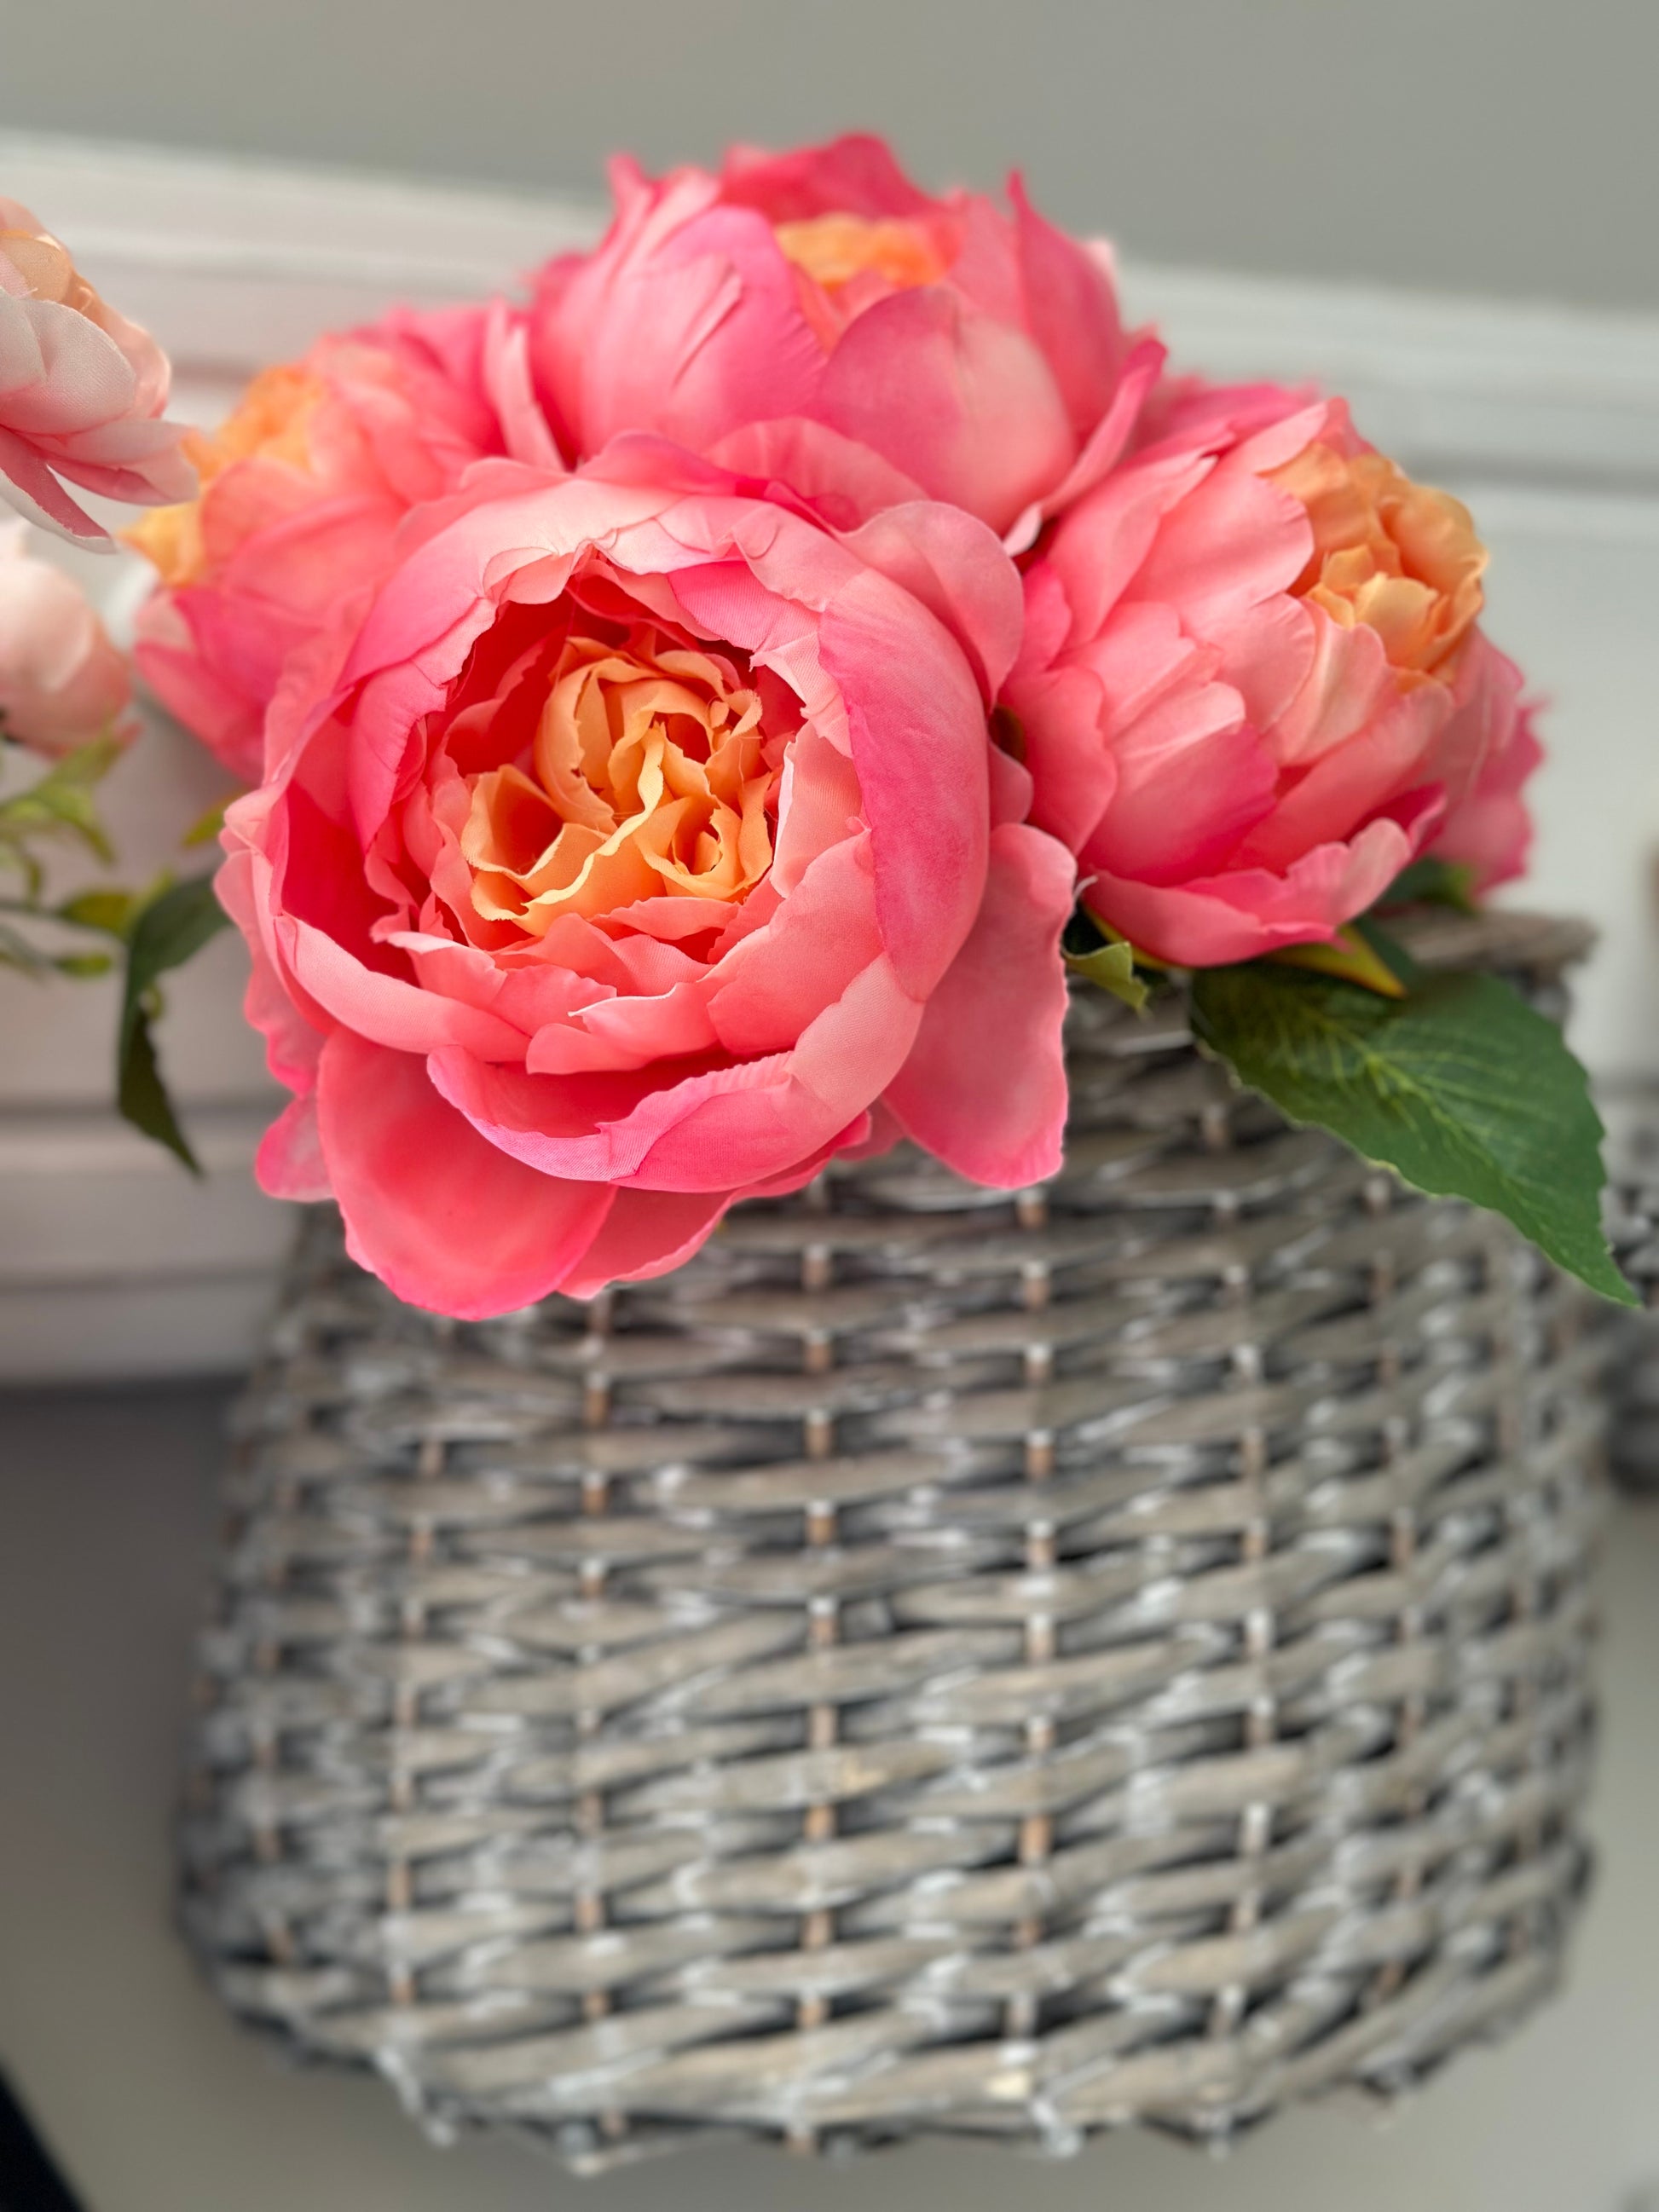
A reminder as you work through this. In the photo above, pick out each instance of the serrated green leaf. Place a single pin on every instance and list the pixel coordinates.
(173, 926)
(1460, 1086)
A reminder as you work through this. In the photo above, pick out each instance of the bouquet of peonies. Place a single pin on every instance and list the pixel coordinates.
(702, 716)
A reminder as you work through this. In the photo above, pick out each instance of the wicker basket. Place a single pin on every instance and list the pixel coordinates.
(1632, 1113)
(936, 1662)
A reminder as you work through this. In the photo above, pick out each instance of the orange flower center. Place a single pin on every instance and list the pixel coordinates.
(835, 250)
(270, 422)
(1399, 556)
(651, 779)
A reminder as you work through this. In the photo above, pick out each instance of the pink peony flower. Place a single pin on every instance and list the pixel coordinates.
(641, 849)
(62, 682)
(303, 489)
(1252, 686)
(799, 306)
(82, 390)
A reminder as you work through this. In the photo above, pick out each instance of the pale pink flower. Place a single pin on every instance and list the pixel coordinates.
(61, 681)
(81, 391)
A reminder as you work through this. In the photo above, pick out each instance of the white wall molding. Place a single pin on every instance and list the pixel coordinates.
(1548, 419)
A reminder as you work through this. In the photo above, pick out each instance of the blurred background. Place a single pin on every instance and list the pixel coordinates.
(1493, 146)
(1444, 207)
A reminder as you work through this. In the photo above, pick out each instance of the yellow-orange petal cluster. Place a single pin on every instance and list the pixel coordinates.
(1400, 556)
(652, 777)
(836, 249)
(270, 422)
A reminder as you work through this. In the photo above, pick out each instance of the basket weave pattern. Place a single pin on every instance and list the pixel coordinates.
(936, 1660)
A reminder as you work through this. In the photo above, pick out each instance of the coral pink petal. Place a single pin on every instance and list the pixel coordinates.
(919, 743)
(700, 337)
(384, 1008)
(444, 1218)
(289, 1163)
(1215, 920)
(958, 570)
(647, 1233)
(966, 405)
(984, 1088)
(1074, 772)
(1103, 447)
(855, 174)
(1071, 309)
(842, 481)
(1191, 779)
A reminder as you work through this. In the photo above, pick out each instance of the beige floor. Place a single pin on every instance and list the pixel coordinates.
(155, 2103)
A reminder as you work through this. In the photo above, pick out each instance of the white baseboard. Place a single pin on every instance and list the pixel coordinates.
(115, 1263)
(112, 1263)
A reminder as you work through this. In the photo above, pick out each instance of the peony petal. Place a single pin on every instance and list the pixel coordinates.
(984, 1088)
(29, 487)
(1071, 308)
(958, 569)
(446, 1220)
(647, 1233)
(919, 744)
(966, 405)
(1217, 920)
(289, 1163)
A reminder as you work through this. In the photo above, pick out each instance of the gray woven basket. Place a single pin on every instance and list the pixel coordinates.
(938, 1661)
(1632, 1115)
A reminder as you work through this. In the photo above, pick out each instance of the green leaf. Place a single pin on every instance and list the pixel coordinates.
(16, 952)
(1113, 967)
(206, 826)
(173, 926)
(63, 799)
(1432, 882)
(1353, 957)
(1094, 950)
(110, 912)
(1460, 1086)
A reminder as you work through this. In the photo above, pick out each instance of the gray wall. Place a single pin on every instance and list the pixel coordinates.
(1504, 146)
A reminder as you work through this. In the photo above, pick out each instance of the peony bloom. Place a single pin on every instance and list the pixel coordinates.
(302, 492)
(82, 390)
(801, 311)
(640, 849)
(1253, 687)
(62, 682)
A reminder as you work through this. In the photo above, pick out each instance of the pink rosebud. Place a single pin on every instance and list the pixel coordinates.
(81, 391)
(640, 847)
(62, 682)
(1253, 688)
(303, 489)
(800, 312)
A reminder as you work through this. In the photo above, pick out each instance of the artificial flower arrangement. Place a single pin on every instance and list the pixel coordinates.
(83, 395)
(702, 718)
